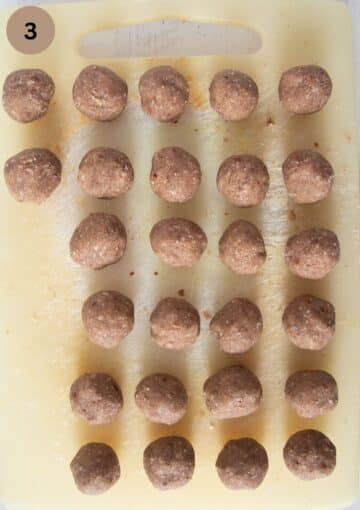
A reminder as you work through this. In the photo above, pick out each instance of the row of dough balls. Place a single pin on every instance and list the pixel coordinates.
(101, 95)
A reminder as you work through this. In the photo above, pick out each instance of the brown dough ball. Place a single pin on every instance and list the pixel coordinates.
(233, 95)
(232, 392)
(309, 455)
(164, 93)
(178, 242)
(305, 89)
(32, 175)
(312, 253)
(309, 322)
(169, 462)
(237, 326)
(175, 174)
(308, 176)
(98, 241)
(105, 173)
(95, 468)
(27, 94)
(311, 393)
(162, 398)
(175, 323)
(241, 248)
(96, 398)
(243, 180)
(99, 93)
(242, 464)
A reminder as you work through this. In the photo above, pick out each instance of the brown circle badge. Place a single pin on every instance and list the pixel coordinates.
(30, 30)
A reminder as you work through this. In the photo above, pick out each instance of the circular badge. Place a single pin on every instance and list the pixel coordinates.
(30, 30)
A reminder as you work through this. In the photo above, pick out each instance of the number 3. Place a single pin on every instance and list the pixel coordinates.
(31, 33)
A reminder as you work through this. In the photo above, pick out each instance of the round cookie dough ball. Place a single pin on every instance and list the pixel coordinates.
(108, 317)
(169, 462)
(27, 94)
(308, 176)
(175, 174)
(178, 242)
(98, 241)
(32, 175)
(162, 398)
(242, 464)
(232, 392)
(175, 323)
(312, 253)
(305, 89)
(241, 248)
(96, 398)
(311, 393)
(309, 322)
(309, 455)
(243, 180)
(164, 93)
(95, 468)
(233, 95)
(237, 326)
(99, 93)
(105, 173)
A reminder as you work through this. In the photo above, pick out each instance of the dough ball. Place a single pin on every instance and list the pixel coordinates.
(32, 175)
(243, 180)
(108, 317)
(237, 326)
(308, 176)
(105, 173)
(175, 174)
(162, 398)
(178, 242)
(169, 462)
(232, 392)
(99, 93)
(95, 468)
(309, 455)
(233, 95)
(311, 393)
(241, 248)
(175, 323)
(312, 253)
(242, 464)
(305, 89)
(309, 322)
(164, 93)
(96, 398)
(98, 241)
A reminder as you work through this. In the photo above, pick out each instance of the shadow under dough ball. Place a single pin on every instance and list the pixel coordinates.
(169, 462)
(309, 322)
(95, 468)
(98, 241)
(99, 93)
(242, 464)
(312, 253)
(305, 89)
(232, 392)
(164, 93)
(96, 398)
(162, 398)
(241, 248)
(32, 175)
(233, 95)
(175, 174)
(308, 176)
(175, 323)
(310, 455)
(178, 242)
(105, 173)
(108, 317)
